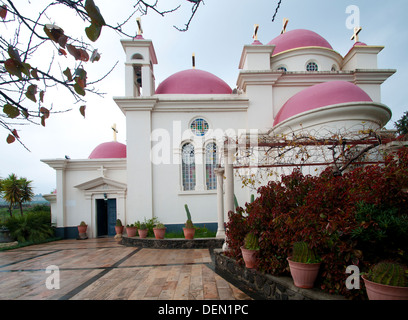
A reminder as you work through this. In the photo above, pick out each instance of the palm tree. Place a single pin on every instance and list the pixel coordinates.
(27, 193)
(12, 191)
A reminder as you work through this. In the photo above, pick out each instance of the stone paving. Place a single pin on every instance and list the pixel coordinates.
(102, 269)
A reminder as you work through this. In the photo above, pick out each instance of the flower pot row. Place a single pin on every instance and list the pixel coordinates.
(304, 269)
(158, 232)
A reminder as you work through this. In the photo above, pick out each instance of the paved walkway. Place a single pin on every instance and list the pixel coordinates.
(102, 269)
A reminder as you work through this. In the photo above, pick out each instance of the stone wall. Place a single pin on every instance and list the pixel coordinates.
(266, 286)
(197, 243)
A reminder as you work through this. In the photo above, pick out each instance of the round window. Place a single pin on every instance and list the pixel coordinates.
(199, 127)
(312, 66)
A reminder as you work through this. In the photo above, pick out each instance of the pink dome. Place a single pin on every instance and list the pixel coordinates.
(321, 95)
(193, 81)
(299, 38)
(111, 149)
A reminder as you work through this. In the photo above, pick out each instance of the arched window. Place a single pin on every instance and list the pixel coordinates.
(188, 167)
(210, 165)
(137, 56)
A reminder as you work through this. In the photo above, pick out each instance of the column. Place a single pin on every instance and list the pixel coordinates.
(229, 180)
(220, 202)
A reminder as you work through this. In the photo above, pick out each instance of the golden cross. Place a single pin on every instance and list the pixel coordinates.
(114, 131)
(193, 58)
(285, 24)
(139, 26)
(357, 30)
(256, 28)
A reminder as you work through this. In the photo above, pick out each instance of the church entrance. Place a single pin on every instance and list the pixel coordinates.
(105, 217)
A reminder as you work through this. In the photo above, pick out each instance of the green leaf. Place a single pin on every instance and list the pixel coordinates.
(95, 56)
(78, 89)
(34, 73)
(68, 74)
(94, 13)
(31, 92)
(11, 111)
(13, 53)
(93, 32)
(12, 67)
(53, 32)
(25, 68)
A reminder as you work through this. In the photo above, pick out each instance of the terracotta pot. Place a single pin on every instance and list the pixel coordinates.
(377, 291)
(131, 231)
(82, 229)
(189, 233)
(159, 233)
(119, 229)
(303, 274)
(143, 233)
(250, 257)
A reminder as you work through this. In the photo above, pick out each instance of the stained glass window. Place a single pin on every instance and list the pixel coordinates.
(210, 165)
(312, 66)
(199, 127)
(188, 167)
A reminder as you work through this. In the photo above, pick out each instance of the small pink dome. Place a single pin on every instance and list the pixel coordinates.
(193, 81)
(107, 150)
(321, 95)
(299, 38)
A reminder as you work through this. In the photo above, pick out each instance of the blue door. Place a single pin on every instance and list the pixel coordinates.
(106, 217)
(111, 216)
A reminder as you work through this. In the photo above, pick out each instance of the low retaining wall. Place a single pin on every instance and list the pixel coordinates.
(266, 286)
(199, 243)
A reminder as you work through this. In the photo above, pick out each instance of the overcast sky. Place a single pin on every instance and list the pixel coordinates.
(217, 35)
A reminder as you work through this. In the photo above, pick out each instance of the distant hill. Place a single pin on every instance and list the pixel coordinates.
(37, 199)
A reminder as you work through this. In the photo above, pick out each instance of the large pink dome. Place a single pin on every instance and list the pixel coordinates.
(109, 150)
(193, 81)
(321, 95)
(299, 38)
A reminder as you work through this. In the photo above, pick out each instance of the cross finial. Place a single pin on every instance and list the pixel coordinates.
(114, 131)
(102, 171)
(256, 28)
(193, 60)
(285, 24)
(139, 26)
(357, 30)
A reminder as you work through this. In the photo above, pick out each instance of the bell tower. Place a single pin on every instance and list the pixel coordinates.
(140, 59)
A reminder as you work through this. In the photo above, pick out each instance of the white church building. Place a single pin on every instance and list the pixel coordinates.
(174, 152)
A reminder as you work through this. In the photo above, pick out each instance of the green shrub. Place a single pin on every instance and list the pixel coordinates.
(32, 227)
(358, 218)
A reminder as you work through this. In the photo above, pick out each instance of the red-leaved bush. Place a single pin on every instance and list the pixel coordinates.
(355, 219)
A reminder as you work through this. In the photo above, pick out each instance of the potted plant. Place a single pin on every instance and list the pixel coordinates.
(250, 250)
(159, 231)
(189, 229)
(387, 280)
(304, 265)
(82, 227)
(143, 230)
(119, 227)
(131, 230)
